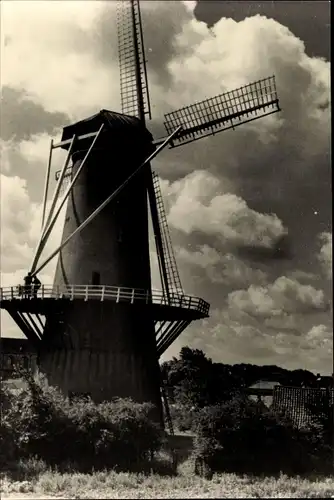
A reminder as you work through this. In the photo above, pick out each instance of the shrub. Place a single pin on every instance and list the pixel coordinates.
(39, 422)
(322, 416)
(8, 443)
(241, 436)
(117, 433)
(183, 417)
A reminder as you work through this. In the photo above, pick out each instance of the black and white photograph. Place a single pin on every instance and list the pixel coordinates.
(166, 249)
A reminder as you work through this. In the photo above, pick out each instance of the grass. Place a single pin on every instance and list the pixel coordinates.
(39, 481)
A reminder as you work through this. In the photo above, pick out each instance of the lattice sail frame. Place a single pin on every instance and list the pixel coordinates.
(135, 100)
(173, 276)
(224, 111)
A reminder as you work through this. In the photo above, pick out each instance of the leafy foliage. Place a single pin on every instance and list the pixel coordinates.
(241, 436)
(195, 380)
(40, 422)
(183, 417)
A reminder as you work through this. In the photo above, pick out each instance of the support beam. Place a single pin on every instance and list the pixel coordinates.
(58, 186)
(165, 342)
(48, 230)
(46, 184)
(40, 321)
(35, 326)
(79, 138)
(40, 244)
(108, 200)
(171, 326)
(162, 324)
(24, 326)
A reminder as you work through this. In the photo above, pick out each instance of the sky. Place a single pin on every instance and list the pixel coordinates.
(249, 209)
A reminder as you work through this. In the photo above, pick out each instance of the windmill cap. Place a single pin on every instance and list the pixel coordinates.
(116, 122)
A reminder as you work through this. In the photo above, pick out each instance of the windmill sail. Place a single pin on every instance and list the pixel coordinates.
(224, 111)
(135, 98)
(173, 277)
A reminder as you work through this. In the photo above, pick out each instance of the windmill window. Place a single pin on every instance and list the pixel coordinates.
(95, 278)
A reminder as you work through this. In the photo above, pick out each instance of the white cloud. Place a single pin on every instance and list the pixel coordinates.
(5, 148)
(190, 5)
(198, 208)
(320, 336)
(325, 254)
(21, 226)
(49, 54)
(284, 296)
(226, 339)
(224, 268)
(20, 222)
(37, 148)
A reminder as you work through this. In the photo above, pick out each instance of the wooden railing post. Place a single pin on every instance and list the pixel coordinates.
(102, 293)
(11, 292)
(118, 292)
(86, 293)
(132, 295)
(72, 292)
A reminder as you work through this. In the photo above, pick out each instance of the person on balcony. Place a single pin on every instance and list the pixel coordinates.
(36, 285)
(27, 285)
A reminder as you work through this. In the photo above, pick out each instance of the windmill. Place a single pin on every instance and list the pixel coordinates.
(100, 328)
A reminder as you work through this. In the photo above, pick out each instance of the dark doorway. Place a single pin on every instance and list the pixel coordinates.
(95, 278)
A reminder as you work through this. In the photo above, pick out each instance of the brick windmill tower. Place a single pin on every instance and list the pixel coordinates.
(100, 328)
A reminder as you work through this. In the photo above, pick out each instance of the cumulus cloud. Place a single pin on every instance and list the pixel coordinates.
(284, 296)
(320, 336)
(36, 149)
(226, 338)
(22, 118)
(50, 55)
(325, 253)
(272, 162)
(5, 148)
(226, 215)
(20, 222)
(21, 226)
(219, 268)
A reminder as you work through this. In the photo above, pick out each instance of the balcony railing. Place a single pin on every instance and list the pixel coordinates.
(103, 292)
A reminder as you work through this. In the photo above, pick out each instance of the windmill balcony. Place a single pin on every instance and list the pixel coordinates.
(48, 295)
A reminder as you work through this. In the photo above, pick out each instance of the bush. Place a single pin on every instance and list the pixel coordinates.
(8, 443)
(39, 422)
(183, 417)
(241, 436)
